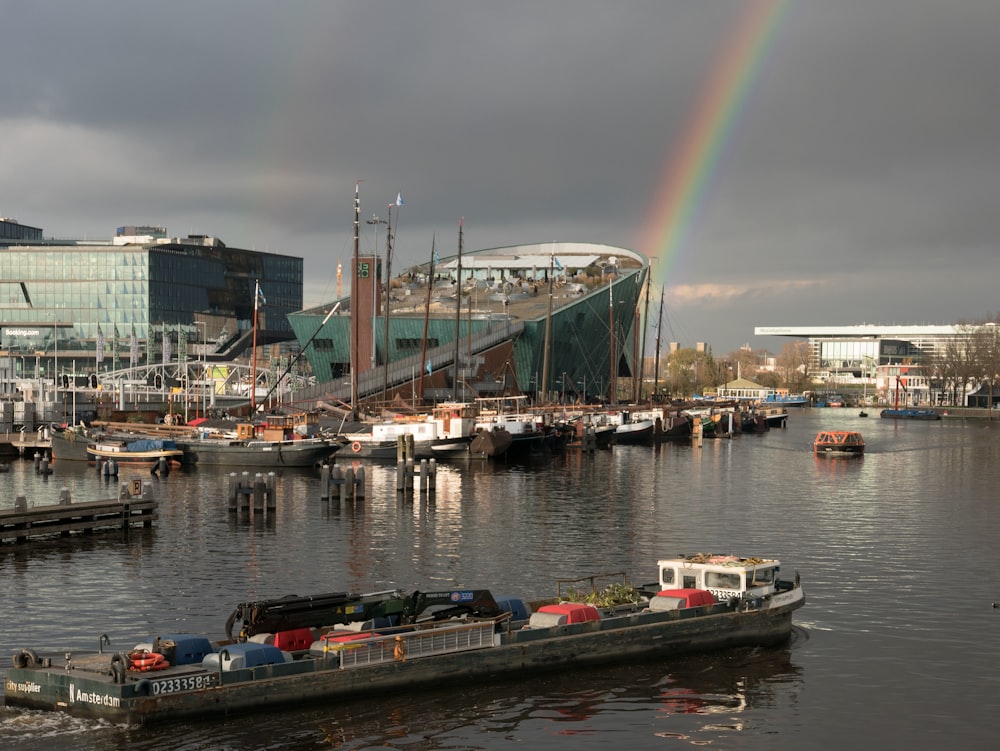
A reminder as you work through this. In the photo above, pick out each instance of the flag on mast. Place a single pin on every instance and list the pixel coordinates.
(399, 199)
(258, 299)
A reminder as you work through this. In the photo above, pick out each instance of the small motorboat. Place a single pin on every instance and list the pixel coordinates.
(839, 442)
(862, 413)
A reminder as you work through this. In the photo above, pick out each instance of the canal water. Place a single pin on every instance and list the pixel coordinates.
(898, 645)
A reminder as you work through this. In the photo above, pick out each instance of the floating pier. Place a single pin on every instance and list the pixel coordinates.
(135, 506)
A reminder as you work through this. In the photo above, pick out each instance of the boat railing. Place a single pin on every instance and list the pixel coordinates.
(445, 639)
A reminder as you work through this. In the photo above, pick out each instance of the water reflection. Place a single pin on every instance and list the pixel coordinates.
(895, 550)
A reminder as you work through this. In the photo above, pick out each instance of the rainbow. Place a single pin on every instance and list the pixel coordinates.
(694, 160)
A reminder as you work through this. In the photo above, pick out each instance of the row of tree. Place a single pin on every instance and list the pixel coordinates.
(967, 361)
(691, 371)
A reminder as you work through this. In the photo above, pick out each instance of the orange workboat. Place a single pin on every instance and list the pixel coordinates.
(839, 442)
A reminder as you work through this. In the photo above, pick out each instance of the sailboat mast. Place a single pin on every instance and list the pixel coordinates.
(427, 313)
(253, 350)
(388, 288)
(458, 308)
(645, 325)
(612, 384)
(355, 303)
(635, 357)
(659, 331)
(548, 335)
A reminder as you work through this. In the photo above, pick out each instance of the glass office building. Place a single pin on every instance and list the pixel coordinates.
(100, 305)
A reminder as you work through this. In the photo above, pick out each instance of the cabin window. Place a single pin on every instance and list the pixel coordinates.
(762, 576)
(722, 581)
(667, 576)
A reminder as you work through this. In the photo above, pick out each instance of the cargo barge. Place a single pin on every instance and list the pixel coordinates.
(298, 649)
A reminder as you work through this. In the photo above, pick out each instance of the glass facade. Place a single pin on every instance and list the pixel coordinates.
(847, 354)
(72, 301)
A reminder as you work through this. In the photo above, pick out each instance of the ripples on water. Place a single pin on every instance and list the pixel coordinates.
(896, 646)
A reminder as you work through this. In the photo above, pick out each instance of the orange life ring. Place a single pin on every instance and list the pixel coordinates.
(144, 661)
(356, 447)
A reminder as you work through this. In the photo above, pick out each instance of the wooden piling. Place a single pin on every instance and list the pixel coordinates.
(406, 473)
(350, 483)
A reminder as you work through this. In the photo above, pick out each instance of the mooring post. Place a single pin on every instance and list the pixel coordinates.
(410, 475)
(259, 491)
(359, 481)
(424, 476)
(232, 491)
(246, 488)
(64, 497)
(272, 502)
(350, 483)
(324, 481)
(341, 481)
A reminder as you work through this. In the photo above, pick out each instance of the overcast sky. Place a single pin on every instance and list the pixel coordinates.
(859, 182)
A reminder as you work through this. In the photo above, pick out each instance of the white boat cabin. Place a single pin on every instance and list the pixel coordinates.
(725, 576)
(448, 420)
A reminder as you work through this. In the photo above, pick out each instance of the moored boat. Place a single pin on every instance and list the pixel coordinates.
(527, 431)
(234, 452)
(69, 444)
(291, 650)
(490, 444)
(910, 414)
(445, 433)
(839, 442)
(278, 441)
(138, 451)
(784, 399)
(634, 432)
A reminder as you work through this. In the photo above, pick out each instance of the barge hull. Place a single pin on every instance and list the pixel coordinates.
(189, 691)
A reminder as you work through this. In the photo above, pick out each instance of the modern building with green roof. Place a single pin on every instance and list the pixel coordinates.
(582, 299)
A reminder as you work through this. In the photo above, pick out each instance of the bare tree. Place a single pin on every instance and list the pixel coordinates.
(793, 366)
(690, 371)
(745, 362)
(984, 359)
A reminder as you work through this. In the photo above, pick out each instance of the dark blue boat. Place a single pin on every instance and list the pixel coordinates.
(911, 414)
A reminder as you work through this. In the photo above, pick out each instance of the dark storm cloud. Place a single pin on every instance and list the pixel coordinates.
(858, 183)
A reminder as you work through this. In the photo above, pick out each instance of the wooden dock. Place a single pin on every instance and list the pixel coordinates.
(24, 443)
(62, 519)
